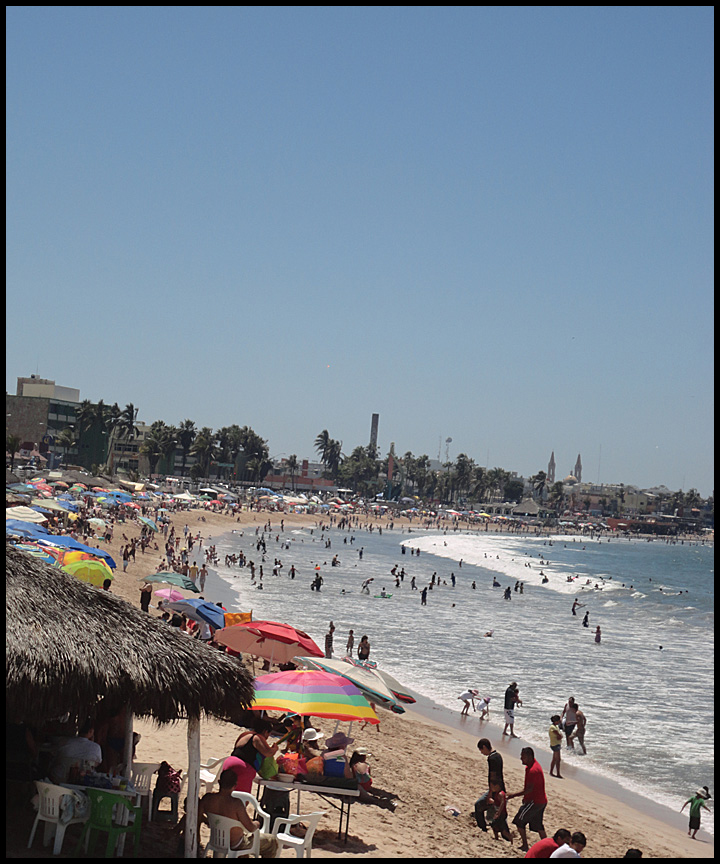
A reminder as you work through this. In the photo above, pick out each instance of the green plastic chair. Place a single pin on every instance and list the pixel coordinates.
(101, 819)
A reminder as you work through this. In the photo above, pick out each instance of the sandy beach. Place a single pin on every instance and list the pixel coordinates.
(428, 764)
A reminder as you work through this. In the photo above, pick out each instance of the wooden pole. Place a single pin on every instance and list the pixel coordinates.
(128, 749)
(191, 814)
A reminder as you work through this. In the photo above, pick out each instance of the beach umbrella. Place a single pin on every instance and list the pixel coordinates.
(272, 640)
(199, 610)
(148, 522)
(66, 542)
(169, 594)
(312, 692)
(98, 523)
(94, 572)
(24, 514)
(176, 579)
(38, 552)
(366, 680)
(395, 687)
(24, 529)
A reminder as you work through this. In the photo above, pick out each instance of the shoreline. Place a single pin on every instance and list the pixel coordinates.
(611, 816)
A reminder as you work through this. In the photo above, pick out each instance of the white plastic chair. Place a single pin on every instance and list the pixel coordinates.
(49, 813)
(247, 798)
(301, 845)
(219, 843)
(209, 773)
(141, 774)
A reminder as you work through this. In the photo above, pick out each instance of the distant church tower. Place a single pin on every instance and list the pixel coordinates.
(578, 470)
(551, 468)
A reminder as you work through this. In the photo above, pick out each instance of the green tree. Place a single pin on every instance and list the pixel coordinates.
(321, 445)
(539, 482)
(463, 472)
(557, 496)
(186, 436)
(67, 439)
(292, 464)
(334, 457)
(204, 449)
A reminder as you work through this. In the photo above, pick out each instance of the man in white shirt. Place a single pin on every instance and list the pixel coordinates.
(573, 848)
(81, 752)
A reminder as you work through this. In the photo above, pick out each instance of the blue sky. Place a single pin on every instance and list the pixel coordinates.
(490, 224)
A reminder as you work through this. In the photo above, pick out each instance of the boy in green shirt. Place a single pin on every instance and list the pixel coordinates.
(696, 804)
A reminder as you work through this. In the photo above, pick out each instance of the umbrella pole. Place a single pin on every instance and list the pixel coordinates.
(336, 727)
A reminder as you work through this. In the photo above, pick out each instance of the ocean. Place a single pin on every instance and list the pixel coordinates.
(646, 689)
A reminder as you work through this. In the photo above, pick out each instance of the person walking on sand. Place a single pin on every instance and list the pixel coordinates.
(556, 738)
(202, 576)
(512, 698)
(530, 814)
(495, 775)
(696, 805)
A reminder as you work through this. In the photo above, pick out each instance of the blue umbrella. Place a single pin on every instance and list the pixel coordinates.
(148, 522)
(200, 610)
(24, 529)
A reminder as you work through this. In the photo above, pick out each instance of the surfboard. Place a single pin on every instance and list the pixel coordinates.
(383, 596)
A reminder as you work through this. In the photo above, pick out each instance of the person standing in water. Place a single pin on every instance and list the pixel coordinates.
(598, 635)
(585, 621)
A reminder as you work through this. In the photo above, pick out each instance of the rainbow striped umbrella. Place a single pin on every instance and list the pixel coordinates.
(312, 692)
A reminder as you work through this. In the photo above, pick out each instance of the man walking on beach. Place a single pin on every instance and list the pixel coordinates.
(512, 698)
(202, 576)
(329, 641)
(531, 812)
(495, 775)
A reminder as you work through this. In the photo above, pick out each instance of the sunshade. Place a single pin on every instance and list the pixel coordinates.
(98, 523)
(366, 680)
(176, 579)
(272, 640)
(312, 692)
(169, 594)
(25, 529)
(148, 522)
(38, 552)
(199, 610)
(94, 572)
(24, 514)
(70, 543)
(48, 505)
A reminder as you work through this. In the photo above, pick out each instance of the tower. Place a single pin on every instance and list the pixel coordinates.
(578, 470)
(551, 468)
(374, 430)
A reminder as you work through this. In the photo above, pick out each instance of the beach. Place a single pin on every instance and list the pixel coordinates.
(428, 764)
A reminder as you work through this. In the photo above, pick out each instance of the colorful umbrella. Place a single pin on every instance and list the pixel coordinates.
(169, 594)
(366, 680)
(38, 552)
(148, 522)
(94, 572)
(276, 642)
(176, 579)
(312, 692)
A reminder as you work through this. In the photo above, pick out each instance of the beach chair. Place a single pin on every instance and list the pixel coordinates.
(261, 814)
(219, 843)
(101, 818)
(141, 774)
(301, 845)
(49, 813)
(209, 773)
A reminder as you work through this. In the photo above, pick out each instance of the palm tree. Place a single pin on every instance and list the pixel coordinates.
(557, 496)
(321, 445)
(66, 439)
(482, 483)
(84, 417)
(168, 445)
(204, 448)
(12, 443)
(539, 482)
(334, 457)
(463, 472)
(126, 428)
(186, 436)
(292, 464)
(153, 444)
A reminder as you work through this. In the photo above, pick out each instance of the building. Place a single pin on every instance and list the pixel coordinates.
(37, 413)
(551, 469)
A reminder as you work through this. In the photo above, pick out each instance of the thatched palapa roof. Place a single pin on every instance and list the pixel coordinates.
(68, 644)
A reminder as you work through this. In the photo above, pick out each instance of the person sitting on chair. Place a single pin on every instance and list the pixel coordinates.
(223, 804)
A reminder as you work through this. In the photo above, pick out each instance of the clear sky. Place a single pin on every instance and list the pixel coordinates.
(489, 224)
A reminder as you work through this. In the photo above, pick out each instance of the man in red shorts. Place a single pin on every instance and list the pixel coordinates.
(531, 812)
